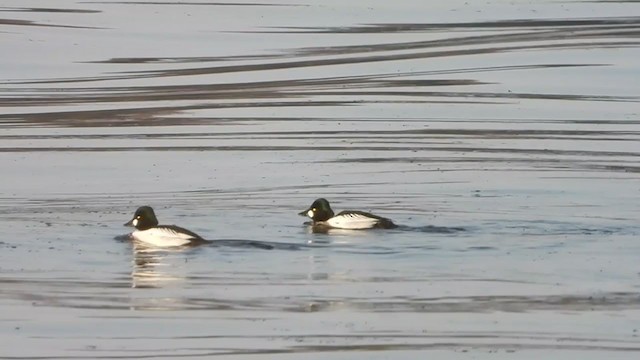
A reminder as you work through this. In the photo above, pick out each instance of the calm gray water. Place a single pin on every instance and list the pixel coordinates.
(503, 136)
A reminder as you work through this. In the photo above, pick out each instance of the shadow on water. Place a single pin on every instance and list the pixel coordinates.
(222, 243)
(431, 229)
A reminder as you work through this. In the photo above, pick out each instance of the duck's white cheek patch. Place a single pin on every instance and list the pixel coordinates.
(135, 222)
(310, 213)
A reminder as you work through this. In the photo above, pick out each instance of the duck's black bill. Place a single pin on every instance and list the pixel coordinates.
(129, 223)
(303, 213)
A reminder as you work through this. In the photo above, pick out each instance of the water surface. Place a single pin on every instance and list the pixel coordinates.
(502, 136)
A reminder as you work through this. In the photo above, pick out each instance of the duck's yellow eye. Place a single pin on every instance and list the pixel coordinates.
(314, 209)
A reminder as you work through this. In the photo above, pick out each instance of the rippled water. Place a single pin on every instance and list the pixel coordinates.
(503, 137)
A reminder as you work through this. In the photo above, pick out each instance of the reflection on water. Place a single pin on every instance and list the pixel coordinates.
(502, 136)
(152, 266)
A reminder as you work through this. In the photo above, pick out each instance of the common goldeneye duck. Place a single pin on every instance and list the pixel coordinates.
(148, 231)
(322, 215)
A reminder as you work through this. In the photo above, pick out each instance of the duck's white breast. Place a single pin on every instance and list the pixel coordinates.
(162, 237)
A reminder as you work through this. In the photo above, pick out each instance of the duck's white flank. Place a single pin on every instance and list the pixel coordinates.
(164, 237)
(352, 221)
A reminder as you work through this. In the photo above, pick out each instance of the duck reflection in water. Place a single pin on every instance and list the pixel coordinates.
(155, 267)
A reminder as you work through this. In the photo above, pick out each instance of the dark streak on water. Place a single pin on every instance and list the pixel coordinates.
(186, 3)
(48, 10)
(13, 22)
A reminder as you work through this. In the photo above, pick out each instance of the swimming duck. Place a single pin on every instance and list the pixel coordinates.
(322, 215)
(148, 231)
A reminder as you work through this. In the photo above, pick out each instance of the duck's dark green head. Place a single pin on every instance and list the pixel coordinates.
(143, 219)
(320, 210)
